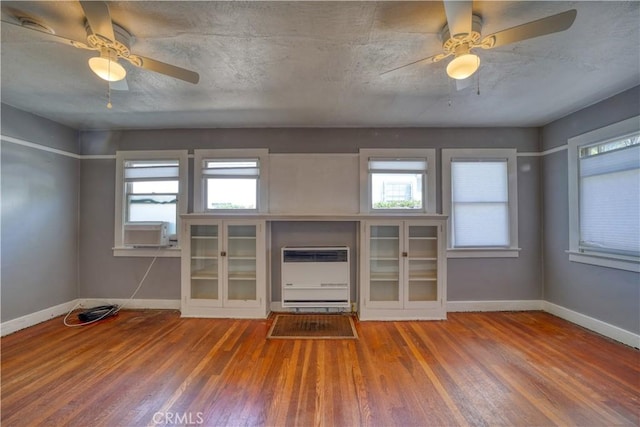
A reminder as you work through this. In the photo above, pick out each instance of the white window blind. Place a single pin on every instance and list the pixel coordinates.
(609, 195)
(151, 191)
(479, 203)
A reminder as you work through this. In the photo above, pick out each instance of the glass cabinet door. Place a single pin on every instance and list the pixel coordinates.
(205, 264)
(384, 265)
(241, 264)
(422, 262)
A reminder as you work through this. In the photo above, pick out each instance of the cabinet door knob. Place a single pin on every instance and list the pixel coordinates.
(223, 253)
(405, 254)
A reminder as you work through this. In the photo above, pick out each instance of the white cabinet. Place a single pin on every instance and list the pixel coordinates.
(224, 269)
(403, 270)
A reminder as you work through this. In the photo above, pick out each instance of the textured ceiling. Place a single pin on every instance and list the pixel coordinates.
(318, 64)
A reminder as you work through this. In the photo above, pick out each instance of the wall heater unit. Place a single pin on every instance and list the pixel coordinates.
(315, 276)
(146, 234)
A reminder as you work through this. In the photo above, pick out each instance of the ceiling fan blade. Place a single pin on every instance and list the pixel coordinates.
(463, 83)
(166, 69)
(428, 60)
(120, 85)
(458, 16)
(549, 25)
(99, 19)
(51, 37)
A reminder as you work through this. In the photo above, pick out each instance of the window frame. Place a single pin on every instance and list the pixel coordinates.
(510, 154)
(262, 187)
(121, 204)
(576, 253)
(430, 176)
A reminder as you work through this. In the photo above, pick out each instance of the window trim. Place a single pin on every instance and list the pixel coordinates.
(511, 251)
(262, 190)
(428, 191)
(611, 260)
(120, 206)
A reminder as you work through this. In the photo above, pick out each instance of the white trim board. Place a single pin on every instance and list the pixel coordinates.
(41, 147)
(126, 303)
(22, 322)
(595, 325)
(598, 326)
(499, 305)
(618, 334)
(191, 156)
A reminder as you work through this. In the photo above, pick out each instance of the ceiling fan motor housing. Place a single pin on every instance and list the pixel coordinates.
(472, 39)
(121, 45)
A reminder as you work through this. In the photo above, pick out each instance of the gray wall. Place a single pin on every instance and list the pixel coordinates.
(39, 231)
(43, 253)
(103, 275)
(607, 294)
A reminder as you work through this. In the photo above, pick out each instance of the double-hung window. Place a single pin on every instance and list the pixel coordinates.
(397, 180)
(230, 180)
(150, 187)
(604, 191)
(479, 194)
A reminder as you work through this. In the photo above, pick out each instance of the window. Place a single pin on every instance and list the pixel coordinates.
(479, 195)
(230, 180)
(397, 180)
(604, 191)
(150, 186)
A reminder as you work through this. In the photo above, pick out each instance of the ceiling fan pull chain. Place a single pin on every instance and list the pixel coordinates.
(109, 88)
(478, 92)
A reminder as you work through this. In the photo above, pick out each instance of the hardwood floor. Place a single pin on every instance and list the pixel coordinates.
(154, 368)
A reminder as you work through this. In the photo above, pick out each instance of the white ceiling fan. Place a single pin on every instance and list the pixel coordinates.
(462, 34)
(113, 43)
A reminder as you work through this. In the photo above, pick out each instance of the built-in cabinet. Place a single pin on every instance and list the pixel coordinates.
(403, 270)
(224, 269)
(402, 267)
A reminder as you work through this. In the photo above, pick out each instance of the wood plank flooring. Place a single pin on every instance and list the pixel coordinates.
(151, 367)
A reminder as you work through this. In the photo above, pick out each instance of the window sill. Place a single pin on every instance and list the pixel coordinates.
(483, 253)
(171, 252)
(606, 260)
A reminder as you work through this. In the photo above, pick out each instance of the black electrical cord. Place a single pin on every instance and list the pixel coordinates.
(96, 313)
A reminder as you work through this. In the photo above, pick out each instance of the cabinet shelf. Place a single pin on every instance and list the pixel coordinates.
(429, 276)
(385, 277)
(204, 276)
(242, 276)
(204, 237)
(203, 257)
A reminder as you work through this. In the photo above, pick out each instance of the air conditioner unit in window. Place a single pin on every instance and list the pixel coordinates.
(146, 234)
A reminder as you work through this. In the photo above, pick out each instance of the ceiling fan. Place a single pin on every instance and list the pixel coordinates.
(113, 43)
(462, 33)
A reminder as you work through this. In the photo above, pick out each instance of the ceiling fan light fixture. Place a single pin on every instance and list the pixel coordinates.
(464, 64)
(106, 66)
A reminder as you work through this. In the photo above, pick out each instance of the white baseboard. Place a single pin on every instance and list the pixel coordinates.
(629, 338)
(13, 325)
(603, 328)
(507, 305)
(162, 304)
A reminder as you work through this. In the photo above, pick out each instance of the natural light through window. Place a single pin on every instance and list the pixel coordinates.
(152, 191)
(231, 184)
(397, 183)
